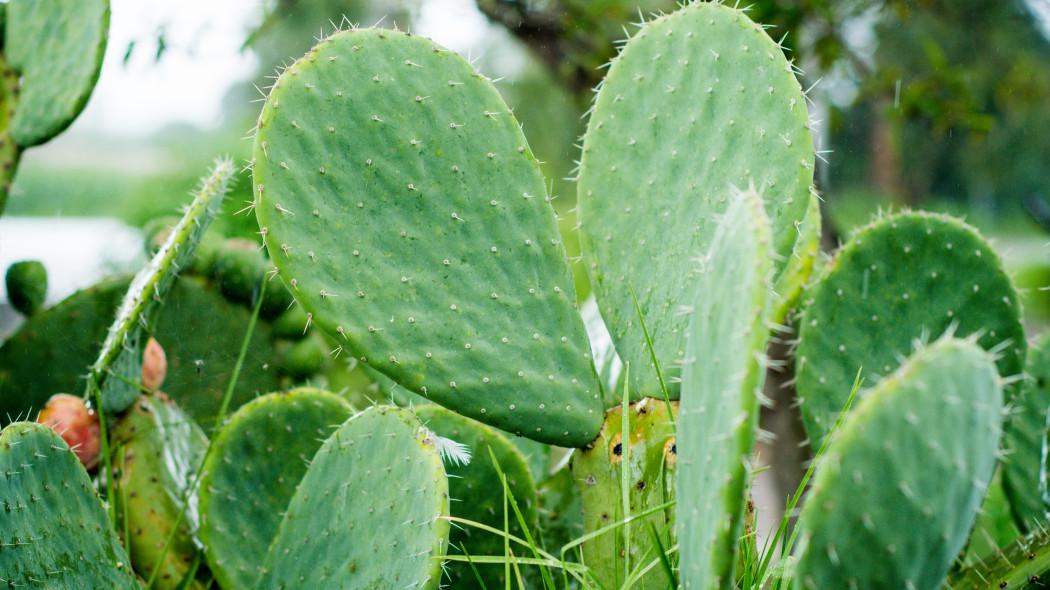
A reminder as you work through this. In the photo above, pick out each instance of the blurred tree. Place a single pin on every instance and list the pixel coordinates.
(947, 93)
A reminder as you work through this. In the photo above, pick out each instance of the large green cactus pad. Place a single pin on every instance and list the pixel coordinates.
(903, 278)
(477, 493)
(647, 452)
(54, 531)
(369, 512)
(721, 386)
(259, 458)
(898, 489)
(162, 449)
(697, 102)
(405, 211)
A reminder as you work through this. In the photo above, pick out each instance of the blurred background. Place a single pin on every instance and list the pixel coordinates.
(933, 104)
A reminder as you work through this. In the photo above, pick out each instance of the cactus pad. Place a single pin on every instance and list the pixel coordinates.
(163, 448)
(1023, 436)
(259, 458)
(54, 531)
(697, 102)
(477, 493)
(369, 512)
(57, 48)
(903, 278)
(650, 458)
(406, 213)
(721, 387)
(897, 492)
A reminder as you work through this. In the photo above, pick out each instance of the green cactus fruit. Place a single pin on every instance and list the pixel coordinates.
(26, 286)
(698, 101)
(202, 333)
(369, 512)
(1023, 436)
(651, 459)
(258, 459)
(405, 211)
(162, 449)
(897, 491)
(238, 267)
(721, 387)
(54, 530)
(903, 278)
(52, 54)
(145, 297)
(476, 493)
(304, 358)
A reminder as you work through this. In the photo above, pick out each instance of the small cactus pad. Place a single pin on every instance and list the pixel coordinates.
(26, 283)
(1023, 435)
(258, 459)
(721, 387)
(369, 513)
(162, 448)
(898, 489)
(145, 296)
(405, 211)
(697, 102)
(57, 48)
(903, 278)
(54, 532)
(648, 451)
(477, 494)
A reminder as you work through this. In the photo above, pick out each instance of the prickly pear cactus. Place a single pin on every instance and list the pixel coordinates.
(369, 512)
(162, 449)
(897, 491)
(406, 213)
(476, 492)
(647, 451)
(897, 281)
(721, 388)
(54, 530)
(258, 459)
(26, 283)
(53, 52)
(698, 101)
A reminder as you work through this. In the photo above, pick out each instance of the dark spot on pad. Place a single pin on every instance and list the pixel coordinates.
(618, 449)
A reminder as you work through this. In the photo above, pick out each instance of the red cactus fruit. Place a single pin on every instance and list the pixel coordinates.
(154, 365)
(76, 424)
